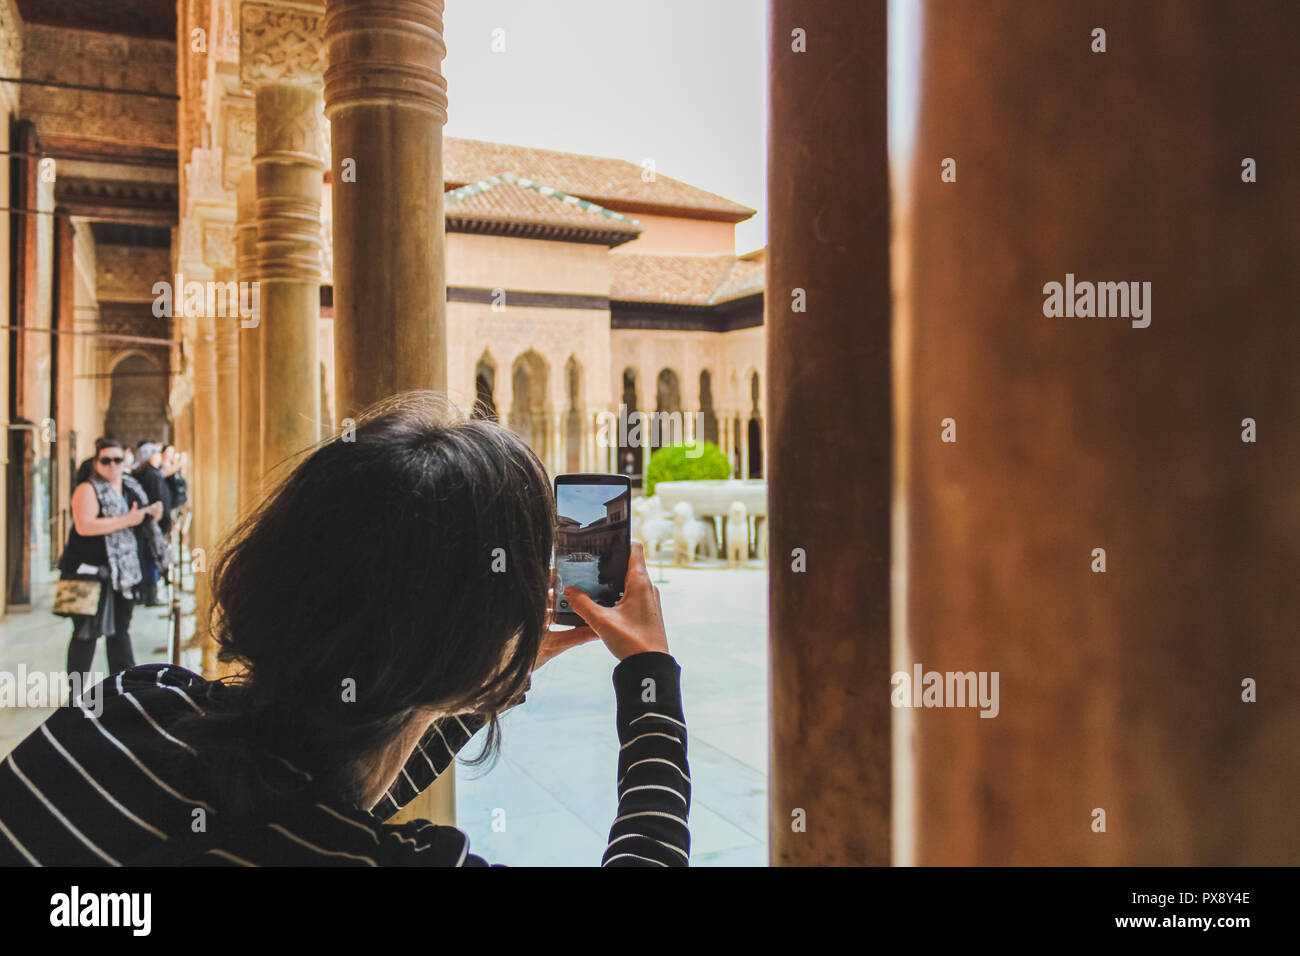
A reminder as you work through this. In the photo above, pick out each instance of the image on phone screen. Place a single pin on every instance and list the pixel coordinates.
(593, 538)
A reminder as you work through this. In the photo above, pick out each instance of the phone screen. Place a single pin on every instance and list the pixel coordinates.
(593, 538)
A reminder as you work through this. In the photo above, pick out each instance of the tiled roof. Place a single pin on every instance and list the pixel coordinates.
(508, 198)
(683, 279)
(745, 278)
(614, 183)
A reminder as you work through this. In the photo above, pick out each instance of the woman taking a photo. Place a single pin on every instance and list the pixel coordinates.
(391, 597)
(103, 549)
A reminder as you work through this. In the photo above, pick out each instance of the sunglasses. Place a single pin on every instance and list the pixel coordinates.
(111, 461)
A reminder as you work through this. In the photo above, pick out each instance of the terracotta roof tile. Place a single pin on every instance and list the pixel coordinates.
(744, 278)
(610, 182)
(683, 279)
(514, 199)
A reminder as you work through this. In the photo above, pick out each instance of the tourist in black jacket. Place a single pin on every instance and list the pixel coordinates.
(149, 474)
(150, 477)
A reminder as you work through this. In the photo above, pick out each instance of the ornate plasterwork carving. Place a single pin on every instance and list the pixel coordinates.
(183, 382)
(279, 44)
(83, 58)
(11, 51)
(133, 318)
(219, 245)
(128, 273)
(191, 243)
(193, 68)
(203, 177)
(239, 138)
(225, 37)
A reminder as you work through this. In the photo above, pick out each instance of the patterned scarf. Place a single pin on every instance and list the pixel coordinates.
(121, 545)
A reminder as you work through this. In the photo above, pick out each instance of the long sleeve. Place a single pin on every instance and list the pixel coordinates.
(432, 755)
(654, 782)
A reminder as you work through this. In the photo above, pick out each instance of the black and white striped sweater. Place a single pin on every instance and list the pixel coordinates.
(113, 789)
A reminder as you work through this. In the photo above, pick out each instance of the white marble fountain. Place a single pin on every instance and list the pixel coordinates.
(709, 521)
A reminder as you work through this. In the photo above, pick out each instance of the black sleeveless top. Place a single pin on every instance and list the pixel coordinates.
(81, 549)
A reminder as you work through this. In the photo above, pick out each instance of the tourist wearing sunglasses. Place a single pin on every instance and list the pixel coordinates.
(102, 547)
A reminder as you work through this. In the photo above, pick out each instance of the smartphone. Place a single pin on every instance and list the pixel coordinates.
(593, 540)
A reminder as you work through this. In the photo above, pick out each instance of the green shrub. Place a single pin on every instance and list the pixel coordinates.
(671, 463)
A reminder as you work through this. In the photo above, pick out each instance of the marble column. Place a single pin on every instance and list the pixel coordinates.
(386, 100)
(829, 634)
(204, 484)
(560, 453)
(250, 351)
(289, 177)
(227, 330)
(744, 446)
(1126, 734)
(731, 444)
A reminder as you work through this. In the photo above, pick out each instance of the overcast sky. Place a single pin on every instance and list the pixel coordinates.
(683, 82)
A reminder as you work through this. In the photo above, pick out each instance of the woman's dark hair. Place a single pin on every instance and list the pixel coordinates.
(106, 441)
(408, 561)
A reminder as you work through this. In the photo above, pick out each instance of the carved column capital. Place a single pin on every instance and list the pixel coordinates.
(289, 125)
(281, 43)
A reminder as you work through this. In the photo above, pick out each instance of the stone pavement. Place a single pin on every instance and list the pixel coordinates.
(36, 640)
(554, 784)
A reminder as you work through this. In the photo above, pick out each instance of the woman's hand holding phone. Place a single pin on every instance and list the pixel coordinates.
(635, 624)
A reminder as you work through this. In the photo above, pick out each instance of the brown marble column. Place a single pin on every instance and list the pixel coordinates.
(1120, 691)
(289, 177)
(829, 784)
(250, 351)
(386, 100)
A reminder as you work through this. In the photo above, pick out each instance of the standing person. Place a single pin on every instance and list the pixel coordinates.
(173, 463)
(149, 474)
(153, 480)
(102, 547)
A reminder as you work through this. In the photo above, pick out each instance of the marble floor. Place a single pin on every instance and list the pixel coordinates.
(37, 641)
(553, 786)
(550, 798)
